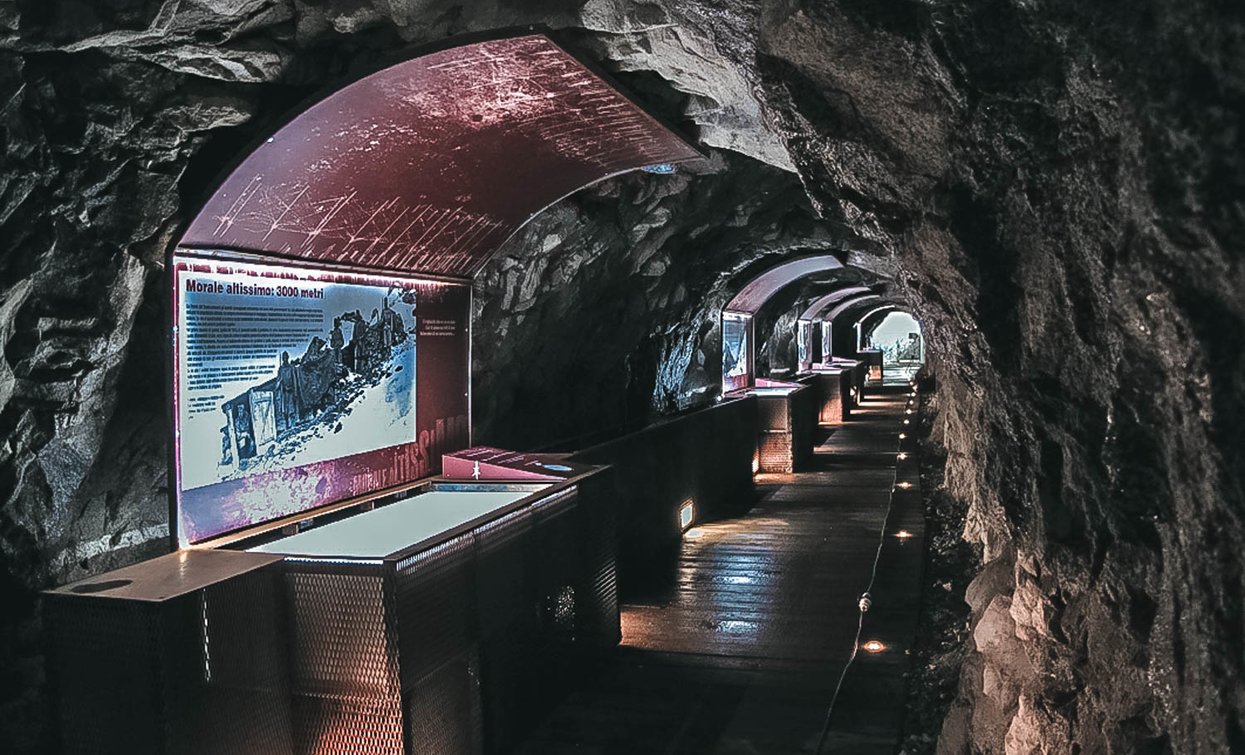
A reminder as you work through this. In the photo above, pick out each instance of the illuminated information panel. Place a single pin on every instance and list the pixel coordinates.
(736, 366)
(295, 387)
(804, 344)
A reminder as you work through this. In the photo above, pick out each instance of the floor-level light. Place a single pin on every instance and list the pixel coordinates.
(873, 646)
(903, 534)
(904, 485)
(687, 514)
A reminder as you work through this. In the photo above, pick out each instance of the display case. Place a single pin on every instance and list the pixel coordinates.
(873, 362)
(312, 408)
(180, 654)
(428, 624)
(832, 386)
(858, 371)
(736, 351)
(805, 345)
(786, 419)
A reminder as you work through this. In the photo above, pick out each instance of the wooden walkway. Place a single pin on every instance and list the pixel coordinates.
(740, 649)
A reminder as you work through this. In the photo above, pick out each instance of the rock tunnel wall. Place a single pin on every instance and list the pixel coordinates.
(1063, 188)
(1056, 188)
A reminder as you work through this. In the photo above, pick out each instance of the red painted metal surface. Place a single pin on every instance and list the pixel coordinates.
(852, 303)
(429, 165)
(815, 309)
(759, 290)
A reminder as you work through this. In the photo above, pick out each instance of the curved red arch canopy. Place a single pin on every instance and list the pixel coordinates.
(429, 165)
(885, 308)
(834, 297)
(852, 303)
(757, 291)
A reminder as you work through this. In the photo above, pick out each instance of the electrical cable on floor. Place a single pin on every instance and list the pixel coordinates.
(866, 601)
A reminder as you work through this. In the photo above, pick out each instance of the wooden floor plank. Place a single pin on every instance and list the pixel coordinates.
(737, 648)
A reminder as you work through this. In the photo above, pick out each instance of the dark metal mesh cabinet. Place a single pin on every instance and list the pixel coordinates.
(346, 693)
(631, 508)
(537, 605)
(775, 413)
(774, 452)
(558, 577)
(803, 408)
(384, 653)
(832, 387)
(785, 437)
(841, 389)
(873, 362)
(507, 622)
(859, 374)
(596, 586)
(444, 648)
(180, 654)
(438, 636)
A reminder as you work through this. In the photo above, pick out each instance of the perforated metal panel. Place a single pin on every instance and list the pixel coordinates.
(507, 622)
(834, 388)
(786, 430)
(203, 672)
(503, 585)
(347, 695)
(125, 643)
(443, 709)
(774, 413)
(596, 589)
(803, 408)
(435, 603)
(246, 698)
(704, 455)
(556, 545)
(774, 452)
(445, 652)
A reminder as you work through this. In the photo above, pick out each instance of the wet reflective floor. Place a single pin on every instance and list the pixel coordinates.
(739, 647)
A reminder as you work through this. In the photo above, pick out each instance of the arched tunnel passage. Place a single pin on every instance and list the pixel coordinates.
(321, 433)
(898, 335)
(738, 329)
(1078, 300)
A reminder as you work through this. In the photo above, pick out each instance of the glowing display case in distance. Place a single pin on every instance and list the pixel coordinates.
(736, 351)
(804, 344)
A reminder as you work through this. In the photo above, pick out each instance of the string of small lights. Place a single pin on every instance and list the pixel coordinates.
(866, 598)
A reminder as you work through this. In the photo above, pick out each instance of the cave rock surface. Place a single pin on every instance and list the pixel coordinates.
(1054, 187)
